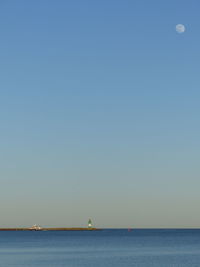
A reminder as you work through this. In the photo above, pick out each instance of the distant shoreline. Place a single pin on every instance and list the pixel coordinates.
(50, 229)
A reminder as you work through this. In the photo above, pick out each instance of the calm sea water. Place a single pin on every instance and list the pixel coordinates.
(101, 248)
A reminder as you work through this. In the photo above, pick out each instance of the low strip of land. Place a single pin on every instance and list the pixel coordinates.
(49, 229)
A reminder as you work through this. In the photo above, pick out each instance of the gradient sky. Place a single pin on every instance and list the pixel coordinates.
(99, 108)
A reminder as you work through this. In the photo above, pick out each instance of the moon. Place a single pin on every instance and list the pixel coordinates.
(180, 28)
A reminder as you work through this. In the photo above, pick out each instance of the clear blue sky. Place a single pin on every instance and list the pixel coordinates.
(99, 106)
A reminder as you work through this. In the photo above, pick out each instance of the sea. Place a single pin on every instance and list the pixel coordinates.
(106, 247)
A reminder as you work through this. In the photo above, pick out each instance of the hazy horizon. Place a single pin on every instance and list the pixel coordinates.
(99, 104)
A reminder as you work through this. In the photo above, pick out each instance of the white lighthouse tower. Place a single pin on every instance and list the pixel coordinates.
(90, 226)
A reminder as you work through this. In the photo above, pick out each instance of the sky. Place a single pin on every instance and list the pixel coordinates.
(99, 113)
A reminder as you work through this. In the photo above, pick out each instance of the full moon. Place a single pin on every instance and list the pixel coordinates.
(180, 28)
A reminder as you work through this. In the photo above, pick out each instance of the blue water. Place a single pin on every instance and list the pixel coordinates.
(101, 248)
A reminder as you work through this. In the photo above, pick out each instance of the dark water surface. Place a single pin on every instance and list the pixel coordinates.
(100, 248)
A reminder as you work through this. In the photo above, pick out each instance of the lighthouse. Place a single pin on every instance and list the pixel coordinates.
(90, 224)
